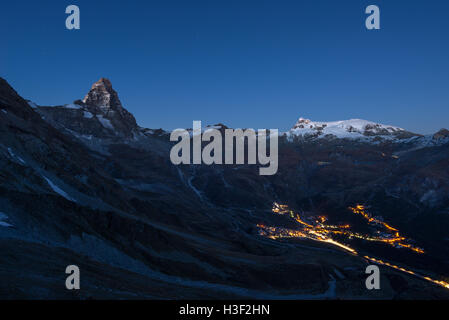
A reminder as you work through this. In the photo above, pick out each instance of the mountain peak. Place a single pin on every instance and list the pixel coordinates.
(103, 101)
(100, 113)
(103, 96)
(104, 81)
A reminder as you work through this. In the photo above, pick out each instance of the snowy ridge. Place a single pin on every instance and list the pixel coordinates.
(345, 129)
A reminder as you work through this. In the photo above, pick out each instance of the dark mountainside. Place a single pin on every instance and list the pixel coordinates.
(83, 184)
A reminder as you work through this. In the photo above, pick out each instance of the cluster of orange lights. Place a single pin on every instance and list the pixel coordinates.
(277, 232)
(378, 261)
(391, 235)
(394, 239)
(319, 231)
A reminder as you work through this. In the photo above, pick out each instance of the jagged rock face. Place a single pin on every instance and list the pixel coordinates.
(99, 114)
(102, 95)
(442, 134)
(103, 100)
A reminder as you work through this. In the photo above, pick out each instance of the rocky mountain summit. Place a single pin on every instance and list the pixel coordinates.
(100, 114)
(103, 96)
(103, 100)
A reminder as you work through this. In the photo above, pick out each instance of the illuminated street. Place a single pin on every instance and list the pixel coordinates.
(316, 229)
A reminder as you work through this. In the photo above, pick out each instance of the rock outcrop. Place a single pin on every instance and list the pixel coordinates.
(441, 135)
(100, 114)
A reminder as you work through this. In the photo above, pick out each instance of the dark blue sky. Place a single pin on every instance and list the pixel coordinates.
(245, 63)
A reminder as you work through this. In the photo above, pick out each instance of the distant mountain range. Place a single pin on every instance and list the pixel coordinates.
(101, 114)
(83, 184)
(363, 130)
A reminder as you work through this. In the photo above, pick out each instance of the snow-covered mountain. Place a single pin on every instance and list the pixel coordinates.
(348, 129)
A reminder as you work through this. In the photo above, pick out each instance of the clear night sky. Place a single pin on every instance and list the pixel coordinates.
(246, 63)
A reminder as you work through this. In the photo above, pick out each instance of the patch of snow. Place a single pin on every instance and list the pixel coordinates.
(58, 190)
(430, 197)
(72, 106)
(4, 217)
(88, 115)
(339, 274)
(226, 184)
(32, 104)
(105, 122)
(4, 111)
(5, 224)
(197, 192)
(14, 156)
(86, 136)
